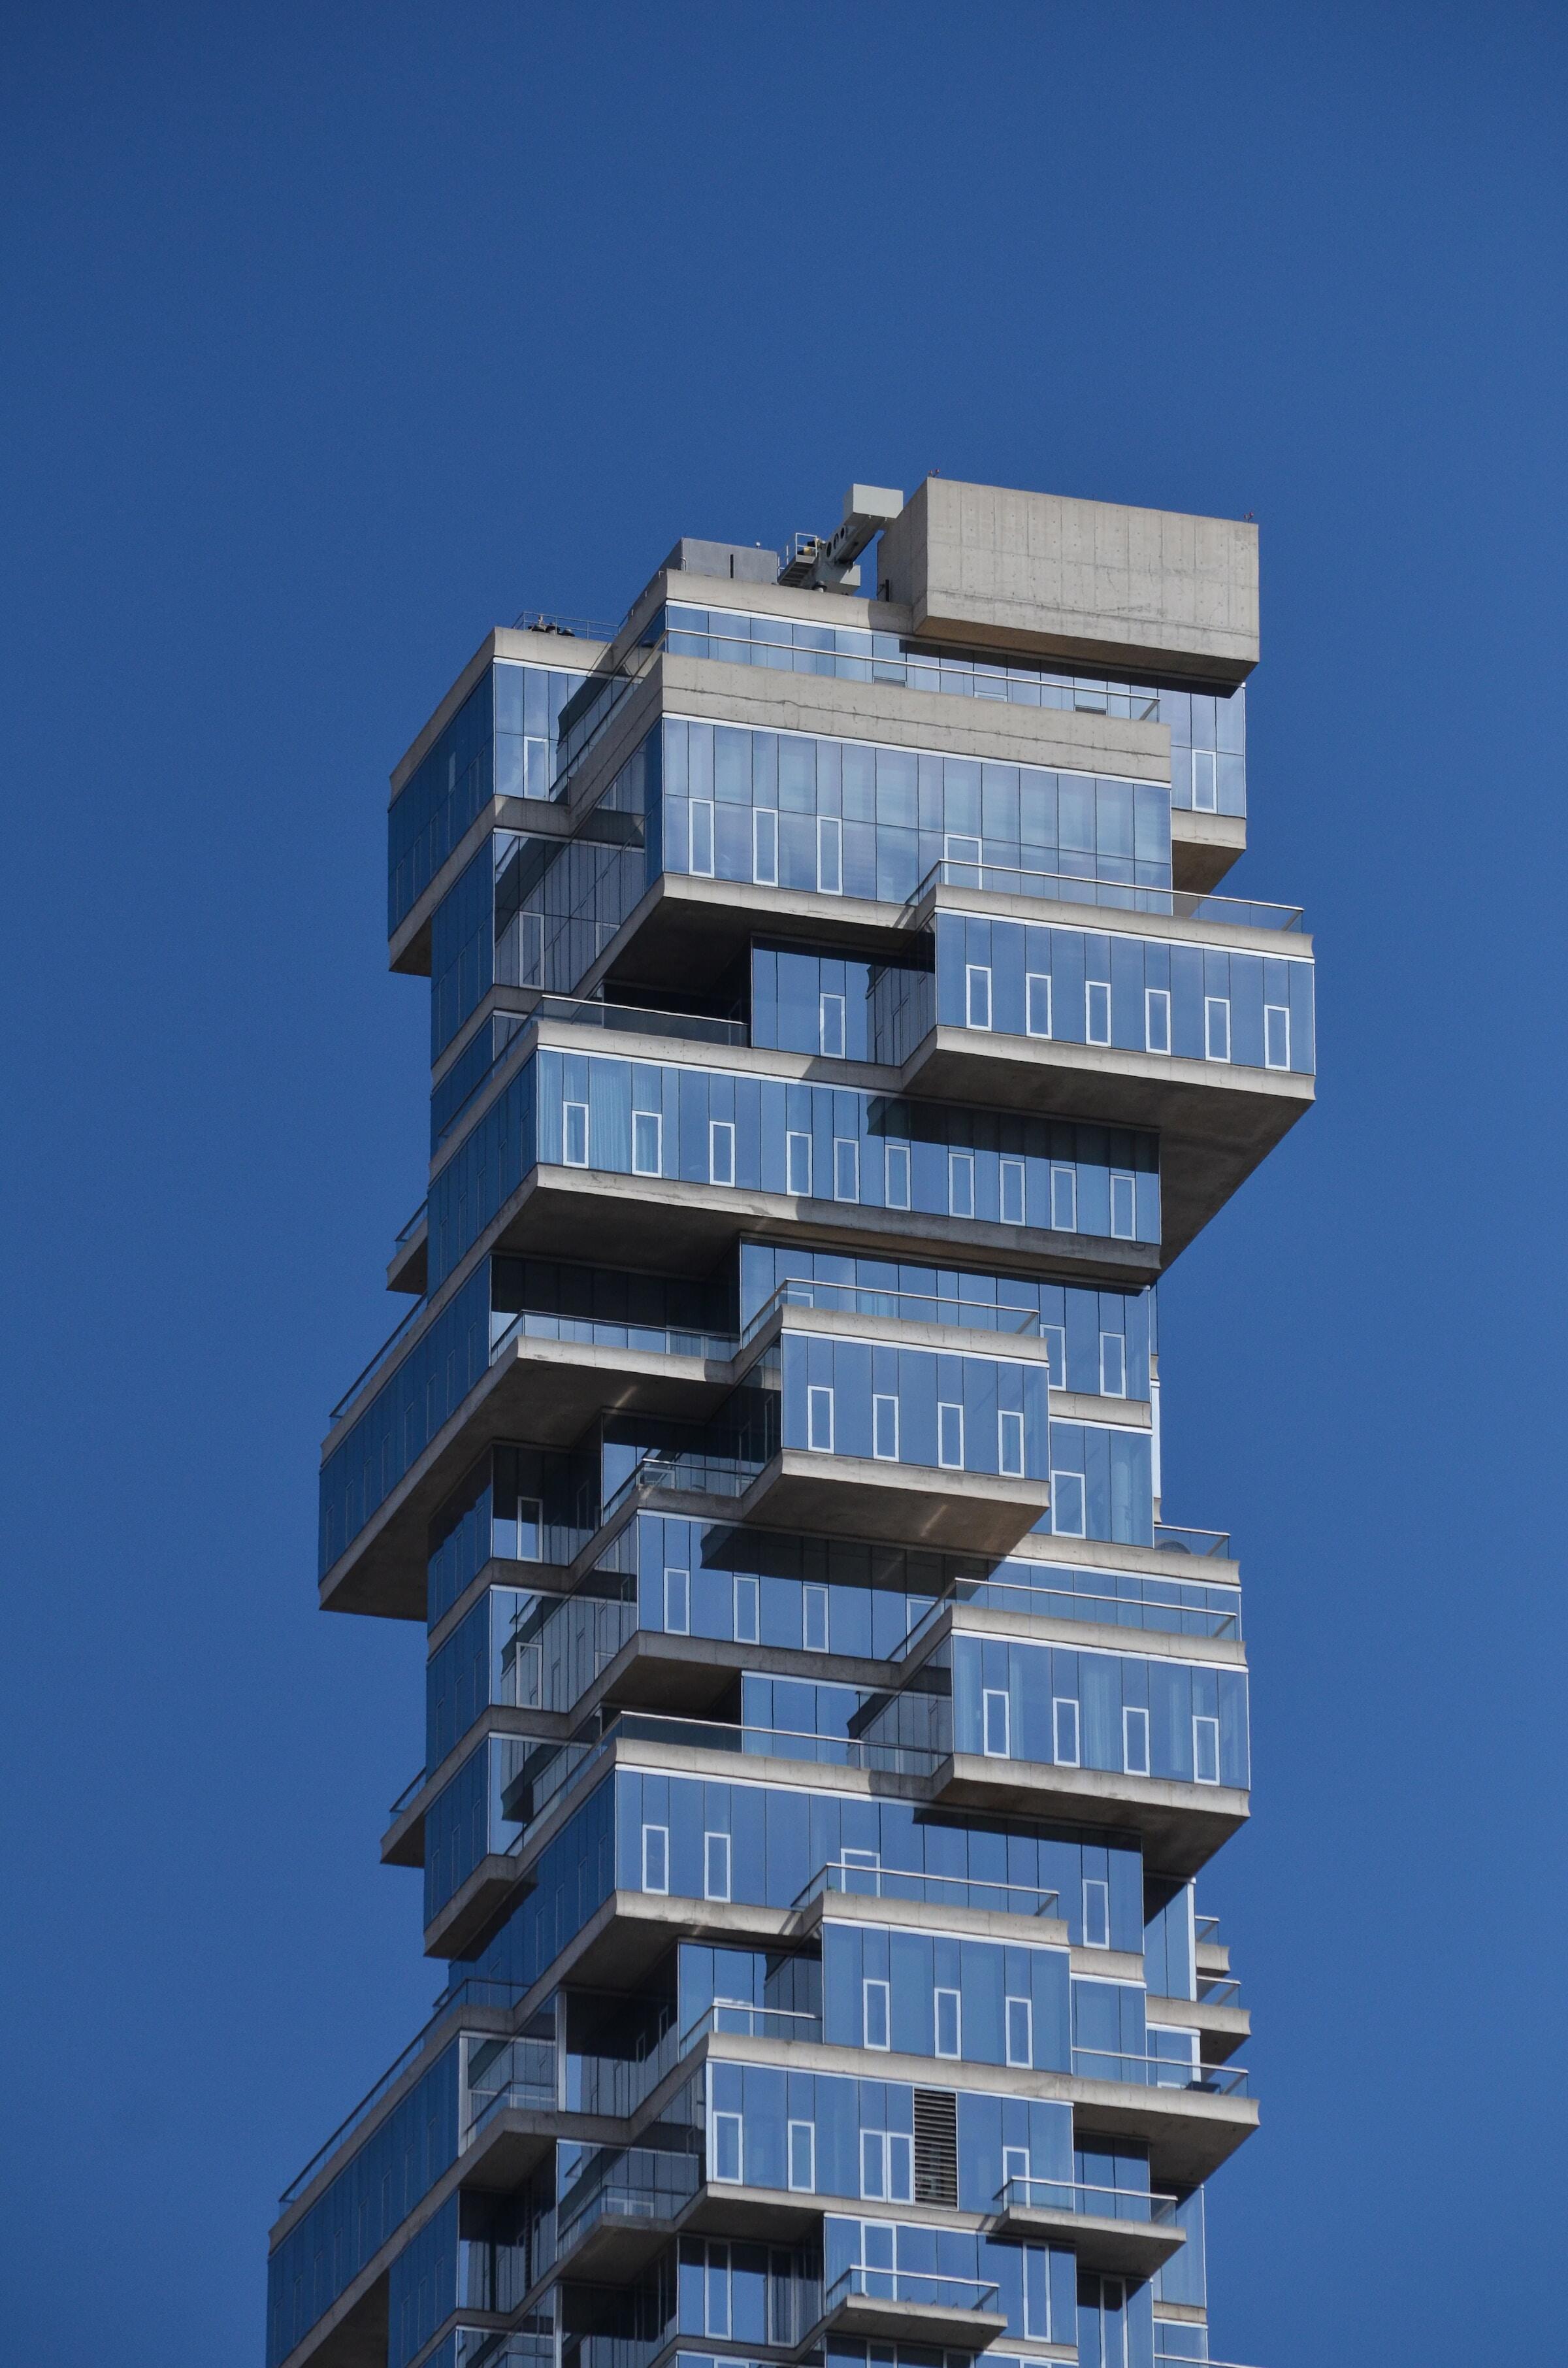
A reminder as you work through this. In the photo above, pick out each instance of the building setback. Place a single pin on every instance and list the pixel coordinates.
(834, 1034)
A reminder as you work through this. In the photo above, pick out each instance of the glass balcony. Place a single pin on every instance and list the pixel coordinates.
(918, 2304)
(1130, 2231)
(853, 1880)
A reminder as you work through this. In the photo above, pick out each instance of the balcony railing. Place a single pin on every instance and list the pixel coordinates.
(929, 2287)
(404, 1324)
(414, 1785)
(545, 621)
(907, 1306)
(592, 1331)
(1099, 2202)
(631, 1018)
(1207, 1544)
(669, 2182)
(742, 2019)
(1160, 2072)
(1117, 895)
(704, 1475)
(1061, 1600)
(475, 1991)
(521, 2076)
(857, 1882)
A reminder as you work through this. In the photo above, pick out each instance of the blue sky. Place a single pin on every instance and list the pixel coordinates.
(337, 335)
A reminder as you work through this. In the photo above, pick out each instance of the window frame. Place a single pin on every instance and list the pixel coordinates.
(945, 1462)
(827, 998)
(806, 2186)
(679, 1594)
(830, 834)
(1057, 1530)
(1157, 998)
(1009, 1424)
(1134, 1720)
(876, 2001)
(1280, 1012)
(727, 1852)
(961, 1163)
(656, 1890)
(717, 2174)
(703, 807)
(1211, 1004)
(896, 1161)
(1074, 1723)
(1100, 1887)
(656, 1119)
(879, 1454)
(1093, 989)
(570, 1111)
(1203, 1719)
(1024, 2063)
(817, 1394)
(1063, 1185)
(1032, 979)
(1124, 1183)
(798, 1191)
(989, 1694)
(760, 814)
(842, 1145)
(973, 971)
(953, 2055)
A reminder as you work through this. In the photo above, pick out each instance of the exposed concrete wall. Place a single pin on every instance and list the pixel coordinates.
(1094, 583)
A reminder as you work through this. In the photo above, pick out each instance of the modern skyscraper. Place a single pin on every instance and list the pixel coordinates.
(835, 1035)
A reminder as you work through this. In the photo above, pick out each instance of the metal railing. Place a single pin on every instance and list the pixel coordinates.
(1032, 1598)
(1117, 895)
(409, 1225)
(376, 1361)
(1206, 1932)
(571, 628)
(705, 1475)
(593, 1331)
(1160, 2072)
(469, 1993)
(930, 2287)
(1102, 2203)
(1208, 1545)
(930, 1890)
(526, 2076)
(415, 1784)
(743, 2021)
(1218, 1989)
(862, 1299)
(697, 1027)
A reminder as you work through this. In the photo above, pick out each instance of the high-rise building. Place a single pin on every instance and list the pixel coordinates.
(834, 1034)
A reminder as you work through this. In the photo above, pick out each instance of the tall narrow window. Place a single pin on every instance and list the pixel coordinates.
(830, 855)
(885, 1429)
(1064, 1199)
(1135, 1741)
(1010, 1445)
(802, 2157)
(1216, 1027)
(765, 847)
(726, 2164)
(656, 1858)
(1067, 1504)
(994, 1723)
(1037, 1002)
(977, 995)
(1275, 1036)
(895, 1175)
(715, 1866)
(1055, 1338)
(746, 1593)
(960, 1183)
(949, 1436)
(798, 1164)
(1096, 1011)
(1206, 1750)
(877, 2009)
(716, 2295)
(845, 1168)
(574, 1133)
(819, 1419)
(1064, 1731)
(1013, 1182)
(1020, 2031)
(1123, 1206)
(1113, 1365)
(647, 1143)
(1096, 1913)
(702, 837)
(678, 1602)
(721, 1151)
(814, 1618)
(831, 1011)
(1205, 780)
(1157, 1018)
(949, 2023)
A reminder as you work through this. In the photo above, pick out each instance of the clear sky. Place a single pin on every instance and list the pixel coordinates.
(336, 334)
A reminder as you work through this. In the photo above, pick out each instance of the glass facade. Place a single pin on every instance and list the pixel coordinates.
(824, 1978)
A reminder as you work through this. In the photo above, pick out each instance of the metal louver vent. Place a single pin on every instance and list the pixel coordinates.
(937, 2146)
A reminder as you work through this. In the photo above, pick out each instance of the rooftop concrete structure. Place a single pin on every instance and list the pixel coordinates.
(1095, 584)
